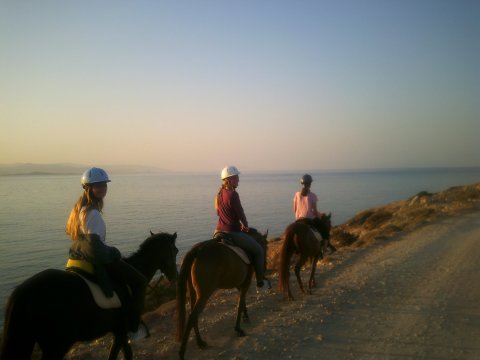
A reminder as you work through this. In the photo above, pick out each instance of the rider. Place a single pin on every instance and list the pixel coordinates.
(305, 207)
(86, 228)
(232, 220)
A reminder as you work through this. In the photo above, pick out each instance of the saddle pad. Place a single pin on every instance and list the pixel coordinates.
(316, 234)
(240, 252)
(100, 299)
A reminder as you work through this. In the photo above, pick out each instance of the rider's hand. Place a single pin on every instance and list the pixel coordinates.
(244, 228)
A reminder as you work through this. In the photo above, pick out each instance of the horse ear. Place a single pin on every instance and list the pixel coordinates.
(329, 215)
(174, 235)
(151, 233)
(266, 234)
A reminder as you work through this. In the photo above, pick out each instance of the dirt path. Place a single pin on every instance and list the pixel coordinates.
(415, 297)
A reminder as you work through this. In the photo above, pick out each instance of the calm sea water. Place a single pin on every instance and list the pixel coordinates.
(34, 209)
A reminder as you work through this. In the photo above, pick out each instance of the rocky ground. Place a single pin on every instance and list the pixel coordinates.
(402, 285)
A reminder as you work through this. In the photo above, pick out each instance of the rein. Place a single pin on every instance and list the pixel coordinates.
(151, 288)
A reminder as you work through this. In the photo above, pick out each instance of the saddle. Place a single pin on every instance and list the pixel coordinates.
(226, 240)
(317, 234)
(312, 227)
(86, 272)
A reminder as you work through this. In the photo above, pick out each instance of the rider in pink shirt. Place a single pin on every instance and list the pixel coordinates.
(305, 206)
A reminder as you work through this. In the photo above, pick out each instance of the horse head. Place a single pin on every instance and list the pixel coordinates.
(161, 253)
(260, 238)
(326, 221)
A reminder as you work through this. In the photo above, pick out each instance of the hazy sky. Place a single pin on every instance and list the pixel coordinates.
(264, 85)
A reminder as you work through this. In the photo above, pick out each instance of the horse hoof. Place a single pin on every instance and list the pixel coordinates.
(240, 332)
(202, 344)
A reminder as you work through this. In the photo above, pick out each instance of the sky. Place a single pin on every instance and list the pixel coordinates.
(263, 85)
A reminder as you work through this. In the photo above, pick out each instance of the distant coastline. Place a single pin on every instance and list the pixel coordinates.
(28, 169)
(39, 173)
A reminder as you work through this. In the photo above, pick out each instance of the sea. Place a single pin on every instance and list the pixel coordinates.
(34, 208)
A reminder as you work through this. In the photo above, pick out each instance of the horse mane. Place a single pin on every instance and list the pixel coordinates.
(326, 226)
(150, 251)
(152, 242)
(258, 236)
(154, 237)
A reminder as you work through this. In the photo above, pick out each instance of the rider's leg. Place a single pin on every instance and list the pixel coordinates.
(138, 284)
(249, 244)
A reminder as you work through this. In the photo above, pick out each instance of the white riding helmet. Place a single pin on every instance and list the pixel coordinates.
(94, 175)
(229, 171)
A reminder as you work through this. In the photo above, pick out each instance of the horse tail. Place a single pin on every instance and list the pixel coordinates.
(18, 342)
(285, 254)
(182, 280)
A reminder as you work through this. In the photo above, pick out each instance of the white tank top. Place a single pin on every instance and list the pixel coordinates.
(94, 224)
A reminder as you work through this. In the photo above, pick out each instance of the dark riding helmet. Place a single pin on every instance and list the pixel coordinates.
(306, 179)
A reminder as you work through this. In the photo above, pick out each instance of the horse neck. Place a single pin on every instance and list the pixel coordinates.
(141, 263)
(325, 228)
(260, 240)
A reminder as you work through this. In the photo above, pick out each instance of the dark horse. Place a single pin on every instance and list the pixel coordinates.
(55, 308)
(299, 239)
(209, 266)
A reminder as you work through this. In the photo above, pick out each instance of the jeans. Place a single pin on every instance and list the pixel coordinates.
(125, 273)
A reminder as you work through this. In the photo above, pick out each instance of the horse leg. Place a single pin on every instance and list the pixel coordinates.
(243, 294)
(18, 347)
(193, 323)
(195, 303)
(298, 267)
(199, 306)
(120, 342)
(287, 285)
(242, 308)
(115, 348)
(54, 352)
(311, 282)
(245, 317)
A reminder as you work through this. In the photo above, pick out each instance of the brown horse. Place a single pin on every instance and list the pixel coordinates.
(209, 266)
(299, 238)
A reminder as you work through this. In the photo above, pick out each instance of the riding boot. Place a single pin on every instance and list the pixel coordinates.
(259, 275)
(137, 306)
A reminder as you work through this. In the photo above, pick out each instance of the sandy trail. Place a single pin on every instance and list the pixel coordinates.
(414, 297)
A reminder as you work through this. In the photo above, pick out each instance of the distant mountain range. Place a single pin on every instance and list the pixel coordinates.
(71, 169)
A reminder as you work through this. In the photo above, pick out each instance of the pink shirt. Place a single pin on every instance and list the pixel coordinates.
(304, 206)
